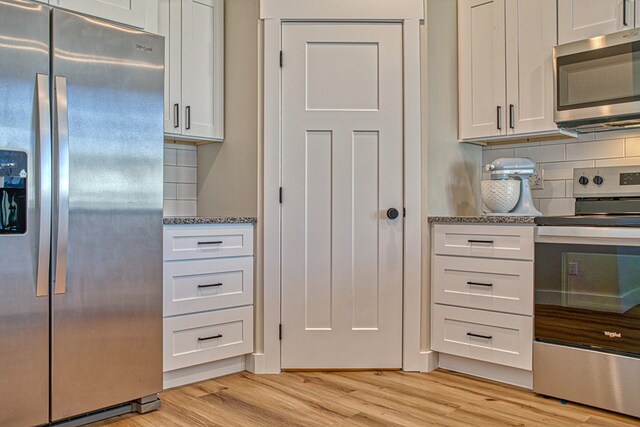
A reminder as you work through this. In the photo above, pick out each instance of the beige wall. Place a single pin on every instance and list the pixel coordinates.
(453, 169)
(228, 172)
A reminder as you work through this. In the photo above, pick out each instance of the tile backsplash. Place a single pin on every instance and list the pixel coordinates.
(180, 180)
(559, 158)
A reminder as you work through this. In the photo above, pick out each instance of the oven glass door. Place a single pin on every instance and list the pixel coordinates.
(588, 296)
(599, 77)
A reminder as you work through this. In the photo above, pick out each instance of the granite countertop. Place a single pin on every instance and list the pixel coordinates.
(484, 219)
(183, 220)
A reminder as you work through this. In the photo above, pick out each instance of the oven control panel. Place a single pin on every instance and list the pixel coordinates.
(615, 181)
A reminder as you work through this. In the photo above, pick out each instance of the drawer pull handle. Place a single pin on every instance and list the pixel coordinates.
(489, 242)
(480, 284)
(217, 242)
(486, 337)
(213, 285)
(215, 337)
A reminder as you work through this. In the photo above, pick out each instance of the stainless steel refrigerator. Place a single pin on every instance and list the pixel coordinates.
(81, 145)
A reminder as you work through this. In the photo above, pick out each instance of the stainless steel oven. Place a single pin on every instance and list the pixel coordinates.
(587, 294)
(596, 83)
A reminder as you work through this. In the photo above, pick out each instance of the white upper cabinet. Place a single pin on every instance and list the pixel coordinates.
(481, 65)
(531, 35)
(194, 80)
(582, 19)
(136, 13)
(505, 67)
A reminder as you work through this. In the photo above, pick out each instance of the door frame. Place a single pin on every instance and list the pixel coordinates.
(273, 13)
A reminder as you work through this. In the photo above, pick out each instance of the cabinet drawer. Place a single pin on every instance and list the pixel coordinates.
(210, 284)
(198, 242)
(486, 241)
(505, 339)
(200, 338)
(488, 284)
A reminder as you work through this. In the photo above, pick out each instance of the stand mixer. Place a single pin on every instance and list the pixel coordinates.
(520, 169)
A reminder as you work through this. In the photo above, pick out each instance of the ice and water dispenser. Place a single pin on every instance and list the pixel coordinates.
(13, 192)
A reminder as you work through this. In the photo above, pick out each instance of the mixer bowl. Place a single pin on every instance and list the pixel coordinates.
(500, 196)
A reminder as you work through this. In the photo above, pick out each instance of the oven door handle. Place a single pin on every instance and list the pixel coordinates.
(623, 233)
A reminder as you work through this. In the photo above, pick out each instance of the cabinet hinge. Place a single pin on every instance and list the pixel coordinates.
(281, 60)
(280, 332)
(280, 195)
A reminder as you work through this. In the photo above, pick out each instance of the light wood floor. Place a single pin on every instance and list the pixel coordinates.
(383, 398)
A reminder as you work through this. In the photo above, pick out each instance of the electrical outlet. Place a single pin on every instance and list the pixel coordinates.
(537, 181)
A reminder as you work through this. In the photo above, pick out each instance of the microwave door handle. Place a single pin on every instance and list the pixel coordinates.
(44, 151)
(62, 139)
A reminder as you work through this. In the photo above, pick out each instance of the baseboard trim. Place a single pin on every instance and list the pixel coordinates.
(206, 371)
(490, 371)
(255, 363)
(428, 361)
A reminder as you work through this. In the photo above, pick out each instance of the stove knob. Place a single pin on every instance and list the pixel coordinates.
(583, 180)
(598, 180)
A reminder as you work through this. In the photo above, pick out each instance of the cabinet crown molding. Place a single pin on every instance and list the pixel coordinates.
(342, 9)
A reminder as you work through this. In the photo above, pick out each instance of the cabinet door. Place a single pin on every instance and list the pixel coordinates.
(202, 68)
(481, 65)
(531, 35)
(582, 19)
(129, 12)
(170, 26)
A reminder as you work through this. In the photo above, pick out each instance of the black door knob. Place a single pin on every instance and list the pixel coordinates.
(598, 180)
(393, 213)
(583, 180)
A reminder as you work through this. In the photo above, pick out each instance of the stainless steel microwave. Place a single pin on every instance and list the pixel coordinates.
(597, 83)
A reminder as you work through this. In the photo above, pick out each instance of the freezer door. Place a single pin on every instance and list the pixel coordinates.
(107, 266)
(24, 139)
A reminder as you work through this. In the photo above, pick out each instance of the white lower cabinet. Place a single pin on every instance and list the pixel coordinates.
(482, 311)
(205, 337)
(208, 301)
(505, 339)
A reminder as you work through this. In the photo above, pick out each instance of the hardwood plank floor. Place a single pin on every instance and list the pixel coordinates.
(370, 398)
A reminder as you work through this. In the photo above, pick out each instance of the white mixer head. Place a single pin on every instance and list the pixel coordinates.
(519, 168)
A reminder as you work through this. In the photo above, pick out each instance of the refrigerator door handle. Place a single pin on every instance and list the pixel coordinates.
(44, 147)
(62, 139)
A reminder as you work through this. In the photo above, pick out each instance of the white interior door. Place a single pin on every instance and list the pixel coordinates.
(342, 169)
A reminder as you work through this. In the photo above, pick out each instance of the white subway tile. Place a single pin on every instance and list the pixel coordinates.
(569, 188)
(632, 147)
(563, 170)
(555, 207)
(187, 192)
(170, 190)
(180, 174)
(552, 190)
(180, 208)
(628, 161)
(523, 145)
(625, 133)
(170, 156)
(541, 154)
(187, 158)
(596, 150)
(491, 155)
